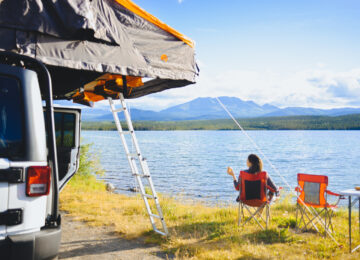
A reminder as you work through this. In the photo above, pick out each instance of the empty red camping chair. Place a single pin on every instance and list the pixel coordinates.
(312, 193)
(254, 193)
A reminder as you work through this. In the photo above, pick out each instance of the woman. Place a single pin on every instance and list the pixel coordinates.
(254, 165)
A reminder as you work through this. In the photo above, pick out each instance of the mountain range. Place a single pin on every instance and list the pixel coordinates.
(209, 108)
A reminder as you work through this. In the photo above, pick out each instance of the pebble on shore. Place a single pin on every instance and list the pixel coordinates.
(110, 187)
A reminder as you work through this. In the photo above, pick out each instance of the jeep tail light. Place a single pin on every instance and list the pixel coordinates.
(38, 181)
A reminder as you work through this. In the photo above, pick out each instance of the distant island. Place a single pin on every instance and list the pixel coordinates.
(346, 122)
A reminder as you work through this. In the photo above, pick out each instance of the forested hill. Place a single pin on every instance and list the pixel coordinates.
(209, 109)
(348, 122)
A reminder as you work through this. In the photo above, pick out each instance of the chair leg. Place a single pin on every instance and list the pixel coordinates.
(330, 219)
(269, 213)
(330, 214)
(327, 214)
(253, 216)
(239, 214)
(326, 221)
(313, 220)
(302, 217)
(309, 220)
(242, 212)
(261, 214)
(296, 214)
(267, 216)
(316, 219)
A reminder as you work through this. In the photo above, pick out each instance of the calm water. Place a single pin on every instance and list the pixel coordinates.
(193, 163)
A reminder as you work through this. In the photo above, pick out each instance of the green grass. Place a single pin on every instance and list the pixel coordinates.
(202, 232)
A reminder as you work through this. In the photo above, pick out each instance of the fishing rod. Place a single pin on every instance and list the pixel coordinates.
(274, 168)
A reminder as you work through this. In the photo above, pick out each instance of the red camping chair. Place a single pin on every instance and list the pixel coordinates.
(312, 192)
(254, 194)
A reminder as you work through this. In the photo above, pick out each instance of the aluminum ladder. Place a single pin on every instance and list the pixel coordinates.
(132, 157)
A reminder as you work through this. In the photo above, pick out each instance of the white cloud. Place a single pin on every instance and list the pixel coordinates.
(180, 1)
(319, 88)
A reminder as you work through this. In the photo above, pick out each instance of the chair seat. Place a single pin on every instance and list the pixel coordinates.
(318, 206)
(254, 203)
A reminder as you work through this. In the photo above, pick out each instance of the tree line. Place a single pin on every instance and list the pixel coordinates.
(347, 122)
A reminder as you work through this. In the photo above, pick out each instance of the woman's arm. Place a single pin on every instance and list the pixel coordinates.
(272, 185)
(231, 173)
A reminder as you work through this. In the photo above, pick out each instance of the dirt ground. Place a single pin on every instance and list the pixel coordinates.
(80, 241)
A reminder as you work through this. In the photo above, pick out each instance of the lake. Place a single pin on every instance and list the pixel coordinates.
(192, 164)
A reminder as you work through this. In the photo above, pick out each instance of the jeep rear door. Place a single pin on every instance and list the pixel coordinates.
(67, 130)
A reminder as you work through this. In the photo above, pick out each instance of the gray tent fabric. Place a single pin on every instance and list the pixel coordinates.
(85, 39)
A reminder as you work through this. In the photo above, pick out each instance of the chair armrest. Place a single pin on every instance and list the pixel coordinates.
(270, 189)
(341, 197)
(298, 189)
(332, 193)
(278, 191)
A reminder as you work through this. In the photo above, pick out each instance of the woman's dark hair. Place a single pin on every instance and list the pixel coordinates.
(256, 163)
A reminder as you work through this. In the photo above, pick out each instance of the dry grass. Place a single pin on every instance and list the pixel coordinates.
(202, 232)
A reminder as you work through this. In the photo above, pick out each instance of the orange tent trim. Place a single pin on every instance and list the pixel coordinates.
(99, 89)
(152, 19)
(131, 81)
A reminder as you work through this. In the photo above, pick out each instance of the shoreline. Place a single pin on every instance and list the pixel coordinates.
(227, 130)
(198, 231)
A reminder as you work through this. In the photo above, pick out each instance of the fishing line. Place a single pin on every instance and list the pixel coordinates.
(272, 166)
(254, 143)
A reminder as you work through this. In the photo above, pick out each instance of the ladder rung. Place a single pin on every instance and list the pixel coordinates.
(118, 110)
(133, 154)
(149, 196)
(160, 232)
(125, 132)
(155, 216)
(141, 175)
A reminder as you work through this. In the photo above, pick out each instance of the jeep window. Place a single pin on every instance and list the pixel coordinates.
(65, 129)
(58, 124)
(11, 119)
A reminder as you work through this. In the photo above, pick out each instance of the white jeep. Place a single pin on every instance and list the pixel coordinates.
(39, 152)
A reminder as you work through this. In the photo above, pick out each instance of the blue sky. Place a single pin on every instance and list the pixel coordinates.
(287, 53)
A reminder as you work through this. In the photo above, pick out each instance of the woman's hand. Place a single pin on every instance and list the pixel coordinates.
(230, 171)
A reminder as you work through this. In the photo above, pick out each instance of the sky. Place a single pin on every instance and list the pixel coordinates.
(286, 53)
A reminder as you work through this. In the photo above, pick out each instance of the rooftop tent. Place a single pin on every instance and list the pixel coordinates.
(81, 40)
